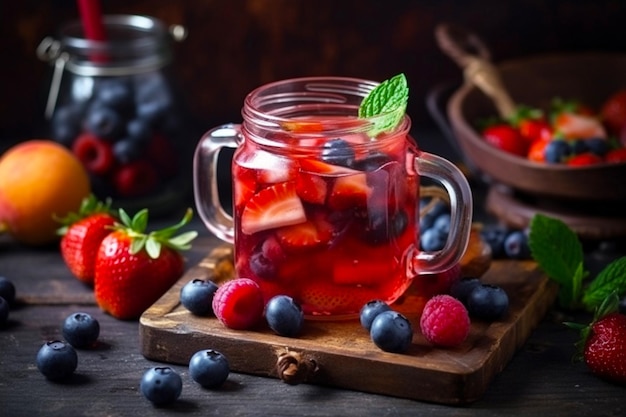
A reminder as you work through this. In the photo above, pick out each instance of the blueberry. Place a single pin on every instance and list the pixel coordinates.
(284, 315)
(463, 288)
(578, 146)
(442, 224)
(487, 302)
(197, 296)
(66, 124)
(56, 360)
(115, 93)
(161, 385)
(379, 229)
(80, 330)
(139, 130)
(428, 219)
(127, 150)
(209, 368)
(152, 96)
(597, 146)
(432, 240)
(557, 151)
(370, 310)
(372, 162)
(7, 290)
(104, 122)
(391, 332)
(494, 236)
(152, 111)
(261, 266)
(516, 245)
(338, 152)
(4, 311)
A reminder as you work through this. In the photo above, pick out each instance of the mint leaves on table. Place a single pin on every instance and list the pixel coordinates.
(559, 253)
(388, 101)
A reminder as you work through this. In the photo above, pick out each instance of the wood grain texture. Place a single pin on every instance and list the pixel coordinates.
(343, 351)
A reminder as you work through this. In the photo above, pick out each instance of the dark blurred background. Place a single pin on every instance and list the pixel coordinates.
(236, 45)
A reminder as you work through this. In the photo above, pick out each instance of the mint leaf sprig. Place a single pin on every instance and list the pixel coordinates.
(386, 104)
(558, 252)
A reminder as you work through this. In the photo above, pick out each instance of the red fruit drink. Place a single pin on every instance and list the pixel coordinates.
(327, 219)
(325, 202)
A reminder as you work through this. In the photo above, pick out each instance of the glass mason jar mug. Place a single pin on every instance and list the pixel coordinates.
(322, 211)
(113, 103)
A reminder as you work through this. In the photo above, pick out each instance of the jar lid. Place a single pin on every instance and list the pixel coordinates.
(134, 44)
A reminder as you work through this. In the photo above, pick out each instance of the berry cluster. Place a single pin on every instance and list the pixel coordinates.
(389, 330)
(239, 304)
(483, 301)
(162, 385)
(122, 134)
(57, 359)
(506, 242)
(434, 223)
(445, 319)
(570, 133)
(128, 267)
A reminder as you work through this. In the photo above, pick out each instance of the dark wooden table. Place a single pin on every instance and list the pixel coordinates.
(540, 379)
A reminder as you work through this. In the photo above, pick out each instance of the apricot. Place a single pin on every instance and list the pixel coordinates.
(40, 181)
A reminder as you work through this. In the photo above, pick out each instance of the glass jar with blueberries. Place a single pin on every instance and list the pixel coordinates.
(114, 104)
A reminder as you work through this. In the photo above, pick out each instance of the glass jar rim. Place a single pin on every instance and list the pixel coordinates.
(149, 32)
(272, 105)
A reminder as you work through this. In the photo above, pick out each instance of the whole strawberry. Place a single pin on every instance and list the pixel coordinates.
(134, 268)
(82, 234)
(603, 343)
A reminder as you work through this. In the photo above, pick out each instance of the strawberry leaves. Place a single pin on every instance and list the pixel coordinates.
(607, 306)
(89, 206)
(153, 241)
(558, 251)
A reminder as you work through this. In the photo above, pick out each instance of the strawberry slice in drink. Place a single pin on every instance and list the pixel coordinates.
(311, 188)
(275, 206)
(305, 236)
(246, 185)
(323, 298)
(315, 166)
(349, 191)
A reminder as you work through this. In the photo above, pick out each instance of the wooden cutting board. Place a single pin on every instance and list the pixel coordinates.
(341, 354)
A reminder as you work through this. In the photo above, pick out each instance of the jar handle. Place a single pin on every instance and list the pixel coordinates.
(206, 189)
(461, 209)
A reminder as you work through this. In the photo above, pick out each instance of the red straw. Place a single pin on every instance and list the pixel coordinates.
(91, 16)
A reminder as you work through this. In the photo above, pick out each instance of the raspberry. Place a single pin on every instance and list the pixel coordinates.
(135, 178)
(445, 321)
(238, 303)
(95, 154)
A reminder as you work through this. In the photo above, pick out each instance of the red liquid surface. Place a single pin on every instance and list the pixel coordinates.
(333, 237)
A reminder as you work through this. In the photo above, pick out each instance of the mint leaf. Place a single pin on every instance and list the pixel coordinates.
(559, 253)
(612, 279)
(386, 104)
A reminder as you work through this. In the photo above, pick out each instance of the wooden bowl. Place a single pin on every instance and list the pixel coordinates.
(588, 77)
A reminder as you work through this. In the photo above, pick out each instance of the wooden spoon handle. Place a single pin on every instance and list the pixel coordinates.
(473, 56)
